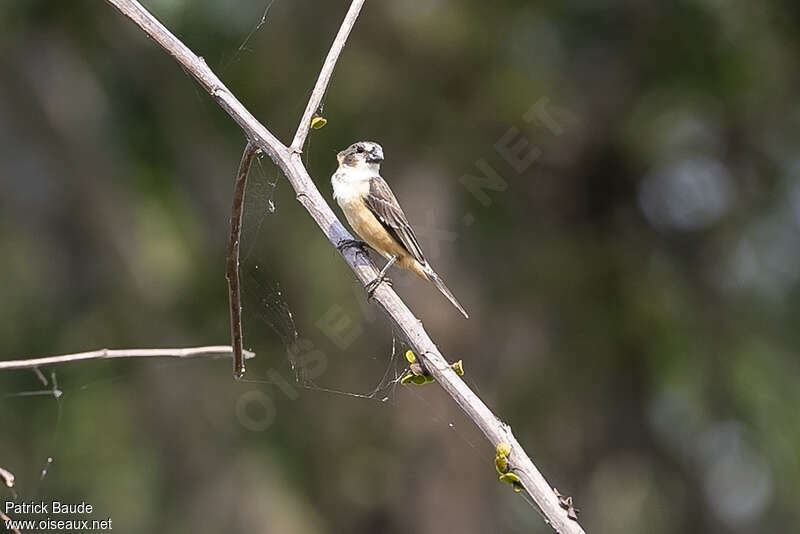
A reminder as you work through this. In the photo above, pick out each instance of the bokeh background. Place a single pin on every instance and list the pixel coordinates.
(633, 290)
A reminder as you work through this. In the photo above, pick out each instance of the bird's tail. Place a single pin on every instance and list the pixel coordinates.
(439, 283)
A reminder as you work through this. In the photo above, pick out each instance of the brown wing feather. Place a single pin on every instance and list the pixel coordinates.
(383, 204)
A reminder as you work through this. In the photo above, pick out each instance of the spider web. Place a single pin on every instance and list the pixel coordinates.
(243, 47)
(383, 391)
(49, 388)
(266, 302)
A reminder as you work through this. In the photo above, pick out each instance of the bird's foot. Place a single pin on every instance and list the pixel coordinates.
(373, 285)
(344, 244)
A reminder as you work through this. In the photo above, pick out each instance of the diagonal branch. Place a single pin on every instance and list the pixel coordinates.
(232, 273)
(290, 163)
(325, 75)
(108, 354)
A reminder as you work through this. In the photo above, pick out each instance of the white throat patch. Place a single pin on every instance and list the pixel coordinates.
(353, 182)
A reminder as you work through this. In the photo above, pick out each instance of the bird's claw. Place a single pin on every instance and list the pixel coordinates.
(344, 244)
(373, 285)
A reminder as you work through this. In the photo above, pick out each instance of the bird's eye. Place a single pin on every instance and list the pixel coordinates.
(360, 149)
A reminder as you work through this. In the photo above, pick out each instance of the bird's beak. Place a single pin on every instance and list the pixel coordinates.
(375, 156)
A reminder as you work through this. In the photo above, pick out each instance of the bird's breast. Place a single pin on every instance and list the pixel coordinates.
(349, 192)
(347, 188)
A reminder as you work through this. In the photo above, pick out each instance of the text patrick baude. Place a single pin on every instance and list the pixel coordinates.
(42, 507)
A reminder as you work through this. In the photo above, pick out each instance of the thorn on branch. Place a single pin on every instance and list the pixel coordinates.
(565, 502)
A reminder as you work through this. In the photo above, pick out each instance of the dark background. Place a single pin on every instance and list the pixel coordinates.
(633, 291)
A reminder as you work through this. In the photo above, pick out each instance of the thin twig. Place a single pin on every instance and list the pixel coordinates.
(325, 75)
(40, 376)
(232, 274)
(8, 477)
(107, 354)
(7, 521)
(290, 162)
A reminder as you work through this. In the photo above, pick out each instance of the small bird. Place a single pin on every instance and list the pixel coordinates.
(374, 213)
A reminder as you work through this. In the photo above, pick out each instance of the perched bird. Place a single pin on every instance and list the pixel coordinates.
(374, 213)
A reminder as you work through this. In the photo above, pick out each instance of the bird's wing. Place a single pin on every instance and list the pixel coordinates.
(381, 202)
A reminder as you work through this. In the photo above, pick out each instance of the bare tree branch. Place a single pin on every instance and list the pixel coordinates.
(289, 161)
(8, 477)
(325, 75)
(7, 521)
(108, 354)
(232, 274)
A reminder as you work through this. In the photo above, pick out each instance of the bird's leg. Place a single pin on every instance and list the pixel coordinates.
(373, 285)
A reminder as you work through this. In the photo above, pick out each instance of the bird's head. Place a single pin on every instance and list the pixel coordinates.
(361, 154)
